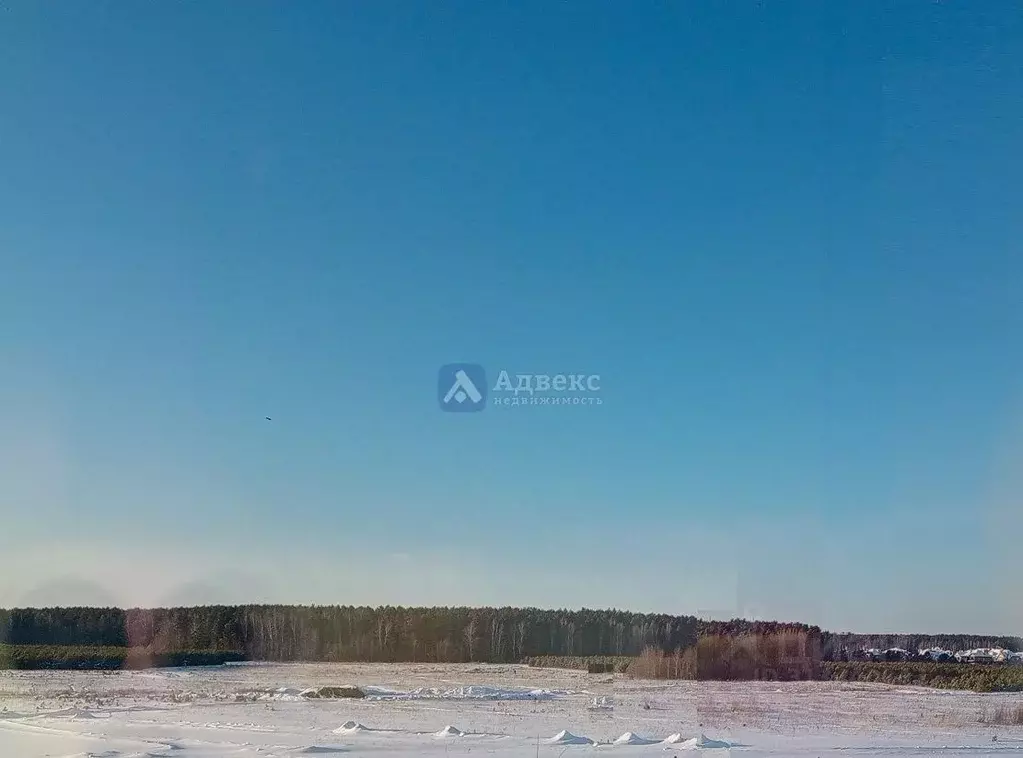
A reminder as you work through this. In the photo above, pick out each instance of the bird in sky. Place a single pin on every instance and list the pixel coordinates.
(267, 418)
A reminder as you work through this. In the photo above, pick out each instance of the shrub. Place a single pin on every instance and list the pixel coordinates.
(593, 664)
(34, 657)
(654, 663)
(1010, 715)
(334, 692)
(948, 676)
(780, 655)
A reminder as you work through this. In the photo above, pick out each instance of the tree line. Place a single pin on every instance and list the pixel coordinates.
(349, 633)
(395, 633)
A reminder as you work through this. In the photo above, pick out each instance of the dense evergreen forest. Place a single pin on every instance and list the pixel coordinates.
(348, 633)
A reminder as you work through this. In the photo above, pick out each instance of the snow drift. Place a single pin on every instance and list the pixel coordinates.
(449, 731)
(322, 750)
(629, 738)
(702, 742)
(350, 727)
(565, 737)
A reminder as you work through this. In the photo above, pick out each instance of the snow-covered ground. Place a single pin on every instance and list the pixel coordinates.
(506, 711)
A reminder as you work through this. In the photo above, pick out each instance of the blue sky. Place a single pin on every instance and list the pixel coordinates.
(786, 236)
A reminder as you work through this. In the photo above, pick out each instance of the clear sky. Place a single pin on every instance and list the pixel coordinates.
(785, 235)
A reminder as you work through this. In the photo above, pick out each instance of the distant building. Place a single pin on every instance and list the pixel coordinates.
(977, 656)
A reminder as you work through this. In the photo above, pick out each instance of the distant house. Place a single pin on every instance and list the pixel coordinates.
(977, 656)
(894, 654)
(937, 654)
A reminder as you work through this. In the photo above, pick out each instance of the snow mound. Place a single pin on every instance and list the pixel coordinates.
(673, 739)
(703, 742)
(321, 750)
(565, 737)
(630, 738)
(351, 727)
(449, 731)
(68, 713)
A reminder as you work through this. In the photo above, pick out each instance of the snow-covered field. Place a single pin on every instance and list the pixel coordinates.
(505, 711)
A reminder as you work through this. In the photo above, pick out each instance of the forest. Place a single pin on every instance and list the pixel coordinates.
(347, 633)
(393, 634)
